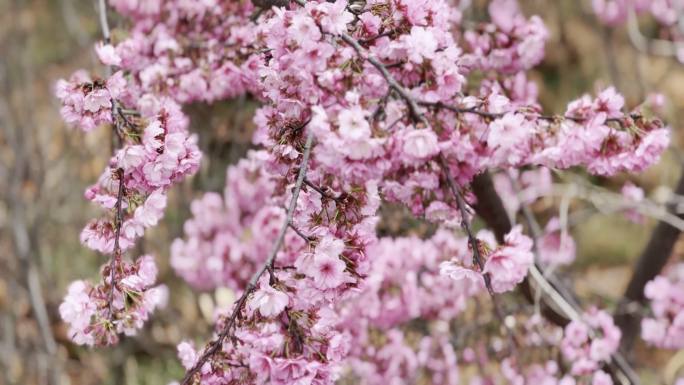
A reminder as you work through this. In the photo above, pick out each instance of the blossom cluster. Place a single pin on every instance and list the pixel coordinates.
(405, 104)
(402, 286)
(288, 313)
(665, 327)
(588, 352)
(155, 157)
(88, 103)
(188, 50)
(157, 151)
(506, 265)
(229, 235)
(97, 314)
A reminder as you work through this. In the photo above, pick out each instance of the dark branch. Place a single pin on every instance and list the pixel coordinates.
(302, 235)
(115, 261)
(321, 191)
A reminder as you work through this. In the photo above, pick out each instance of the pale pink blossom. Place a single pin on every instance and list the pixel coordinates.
(269, 301)
(107, 54)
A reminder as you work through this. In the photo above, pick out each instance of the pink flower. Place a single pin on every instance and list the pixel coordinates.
(508, 264)
(77, 309)
(576, 333)
(303, 29)
(130, 157)
(654, 331)
(187, 354)
(420, 44)
(338, 347)
(147, 270)
(371, 23)
(336, 17)
(601, 378)
(152, 210)
(508, 137)
(325, 266)
(505, 14)
(153, 136)
(107, 54)
(269, 301)
(353, 124)
(556, 247)
(420, 144)
(96, 100)
(610, 102)
(471, 281)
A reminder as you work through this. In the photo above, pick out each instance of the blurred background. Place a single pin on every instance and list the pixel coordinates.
(45, 167)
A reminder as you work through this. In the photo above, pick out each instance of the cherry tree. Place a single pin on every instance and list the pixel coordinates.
(362, 104)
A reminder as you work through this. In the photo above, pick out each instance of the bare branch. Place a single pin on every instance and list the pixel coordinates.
(104, 24)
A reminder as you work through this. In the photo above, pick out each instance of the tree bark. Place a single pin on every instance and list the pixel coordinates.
(490, 207)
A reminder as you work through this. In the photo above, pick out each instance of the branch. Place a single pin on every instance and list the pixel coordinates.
(215, 345)
(490, 207)
(115, 261)
(104, 24)
(474, 244)
(322, 192)
(558, 305)
(301, 235)
(650, 263)
(528, 113)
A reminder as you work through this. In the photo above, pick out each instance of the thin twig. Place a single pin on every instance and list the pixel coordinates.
(319, 190)
(104, 26)
(215, 345)
(116, 258)
(299, 232)
(531, 114)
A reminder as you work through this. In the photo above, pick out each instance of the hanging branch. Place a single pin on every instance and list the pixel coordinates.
(558, 304)
(474, 244)
(216, 345)
(651, 262)
(115, 261)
